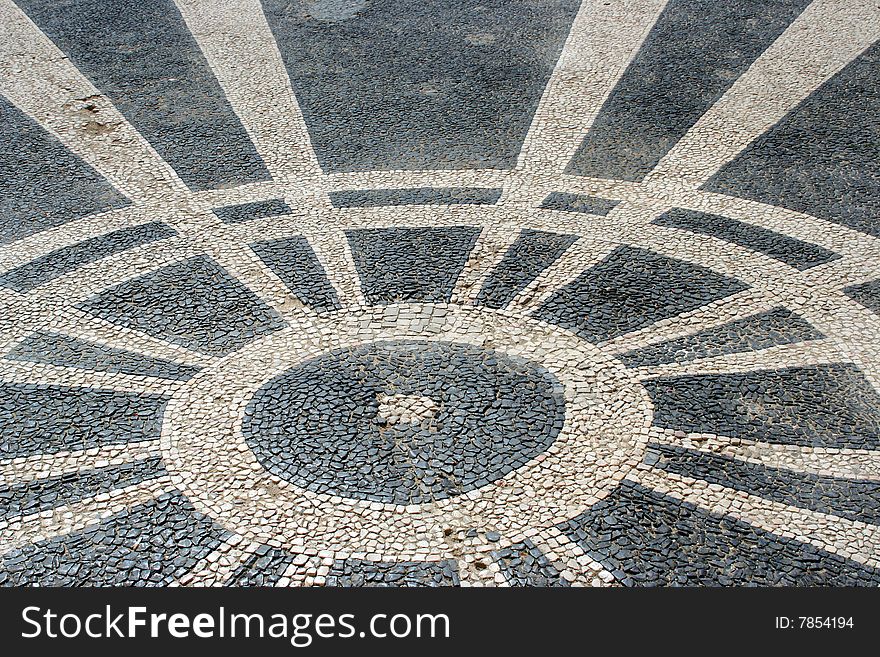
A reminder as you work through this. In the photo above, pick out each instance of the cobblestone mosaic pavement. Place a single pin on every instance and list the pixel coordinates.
(440, 293)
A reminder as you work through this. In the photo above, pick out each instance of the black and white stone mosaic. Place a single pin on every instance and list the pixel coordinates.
(439, 293)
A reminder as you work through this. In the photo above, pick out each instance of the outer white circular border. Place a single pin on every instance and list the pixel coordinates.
(607, 420)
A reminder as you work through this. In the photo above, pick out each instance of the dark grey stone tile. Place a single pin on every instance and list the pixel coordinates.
(867, 294)
(847, 498)
(148, 545)
(630, 289)
(355, 572)
(40, 494)
(236, 214)
(578, 203)
(648, 539)
(41, 419)
(523, 564)
(194, 303)
(63, 350)
(410, 264)
(793, 252)
(57, 263)
(694, 53)
(142, 56)
(263, 568)
(409, 84)
(366, 198)
(532, 253)
(320, 425)
(814, 406)
(775, 327)
(42, 184)
(823, 157)
(296, 264)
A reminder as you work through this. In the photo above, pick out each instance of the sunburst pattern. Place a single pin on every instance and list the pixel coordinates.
(511, 294)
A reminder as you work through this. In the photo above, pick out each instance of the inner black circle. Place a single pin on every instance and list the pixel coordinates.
(319, 424)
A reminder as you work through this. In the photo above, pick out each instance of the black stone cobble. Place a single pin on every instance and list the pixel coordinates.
(148, 545)
(50, 492)
(645, 538)
(43, 419)
(773, 328)
(532, 253)
(318, 425)
(410, 264)
(194, 303)
(523, 564)
(813, 406)
(630, 289)
(356, 572)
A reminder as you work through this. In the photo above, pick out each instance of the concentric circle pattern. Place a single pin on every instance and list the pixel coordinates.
(396, 292)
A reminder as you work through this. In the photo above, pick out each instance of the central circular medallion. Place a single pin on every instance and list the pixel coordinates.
(404, 422)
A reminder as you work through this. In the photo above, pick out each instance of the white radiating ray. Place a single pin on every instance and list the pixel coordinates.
(575, 566)
(219, 564)
(861, 464)
(817, 44)
(15, 371)
(579, 257)
(800, 354)
(37, 77)
(603, 39)
(40, 466)
(88, 328)
(16, 532)
(849, 538)
(242, 263)
(333, 252)
(490, 249)
(238, 45)
(712, 315)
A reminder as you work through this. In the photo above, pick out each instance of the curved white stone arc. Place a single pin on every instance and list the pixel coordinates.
(241, 51)
(818, 43)
(53, 92)
(603, 437)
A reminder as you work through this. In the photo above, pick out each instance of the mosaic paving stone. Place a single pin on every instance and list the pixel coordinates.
(55, 264)
(143, 58)
(55, 349)
(296, 264)
(365, 198)
(775, 327)
(149, 545)
(354, 572)
(578, 203)
(822, 158)
(821, 406)
(42, 184)
(234, 214)
(523, 564)
(37, 419)
(797, 253)
(40, 494)
(524, 301)
(531, 254)
(867, 294)
(695, 51)
(263, 568)
(411, 84)
(483, 416)
(629, 290)
(847, 498)
(194, 303)
(410, 264)
(648, 539)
